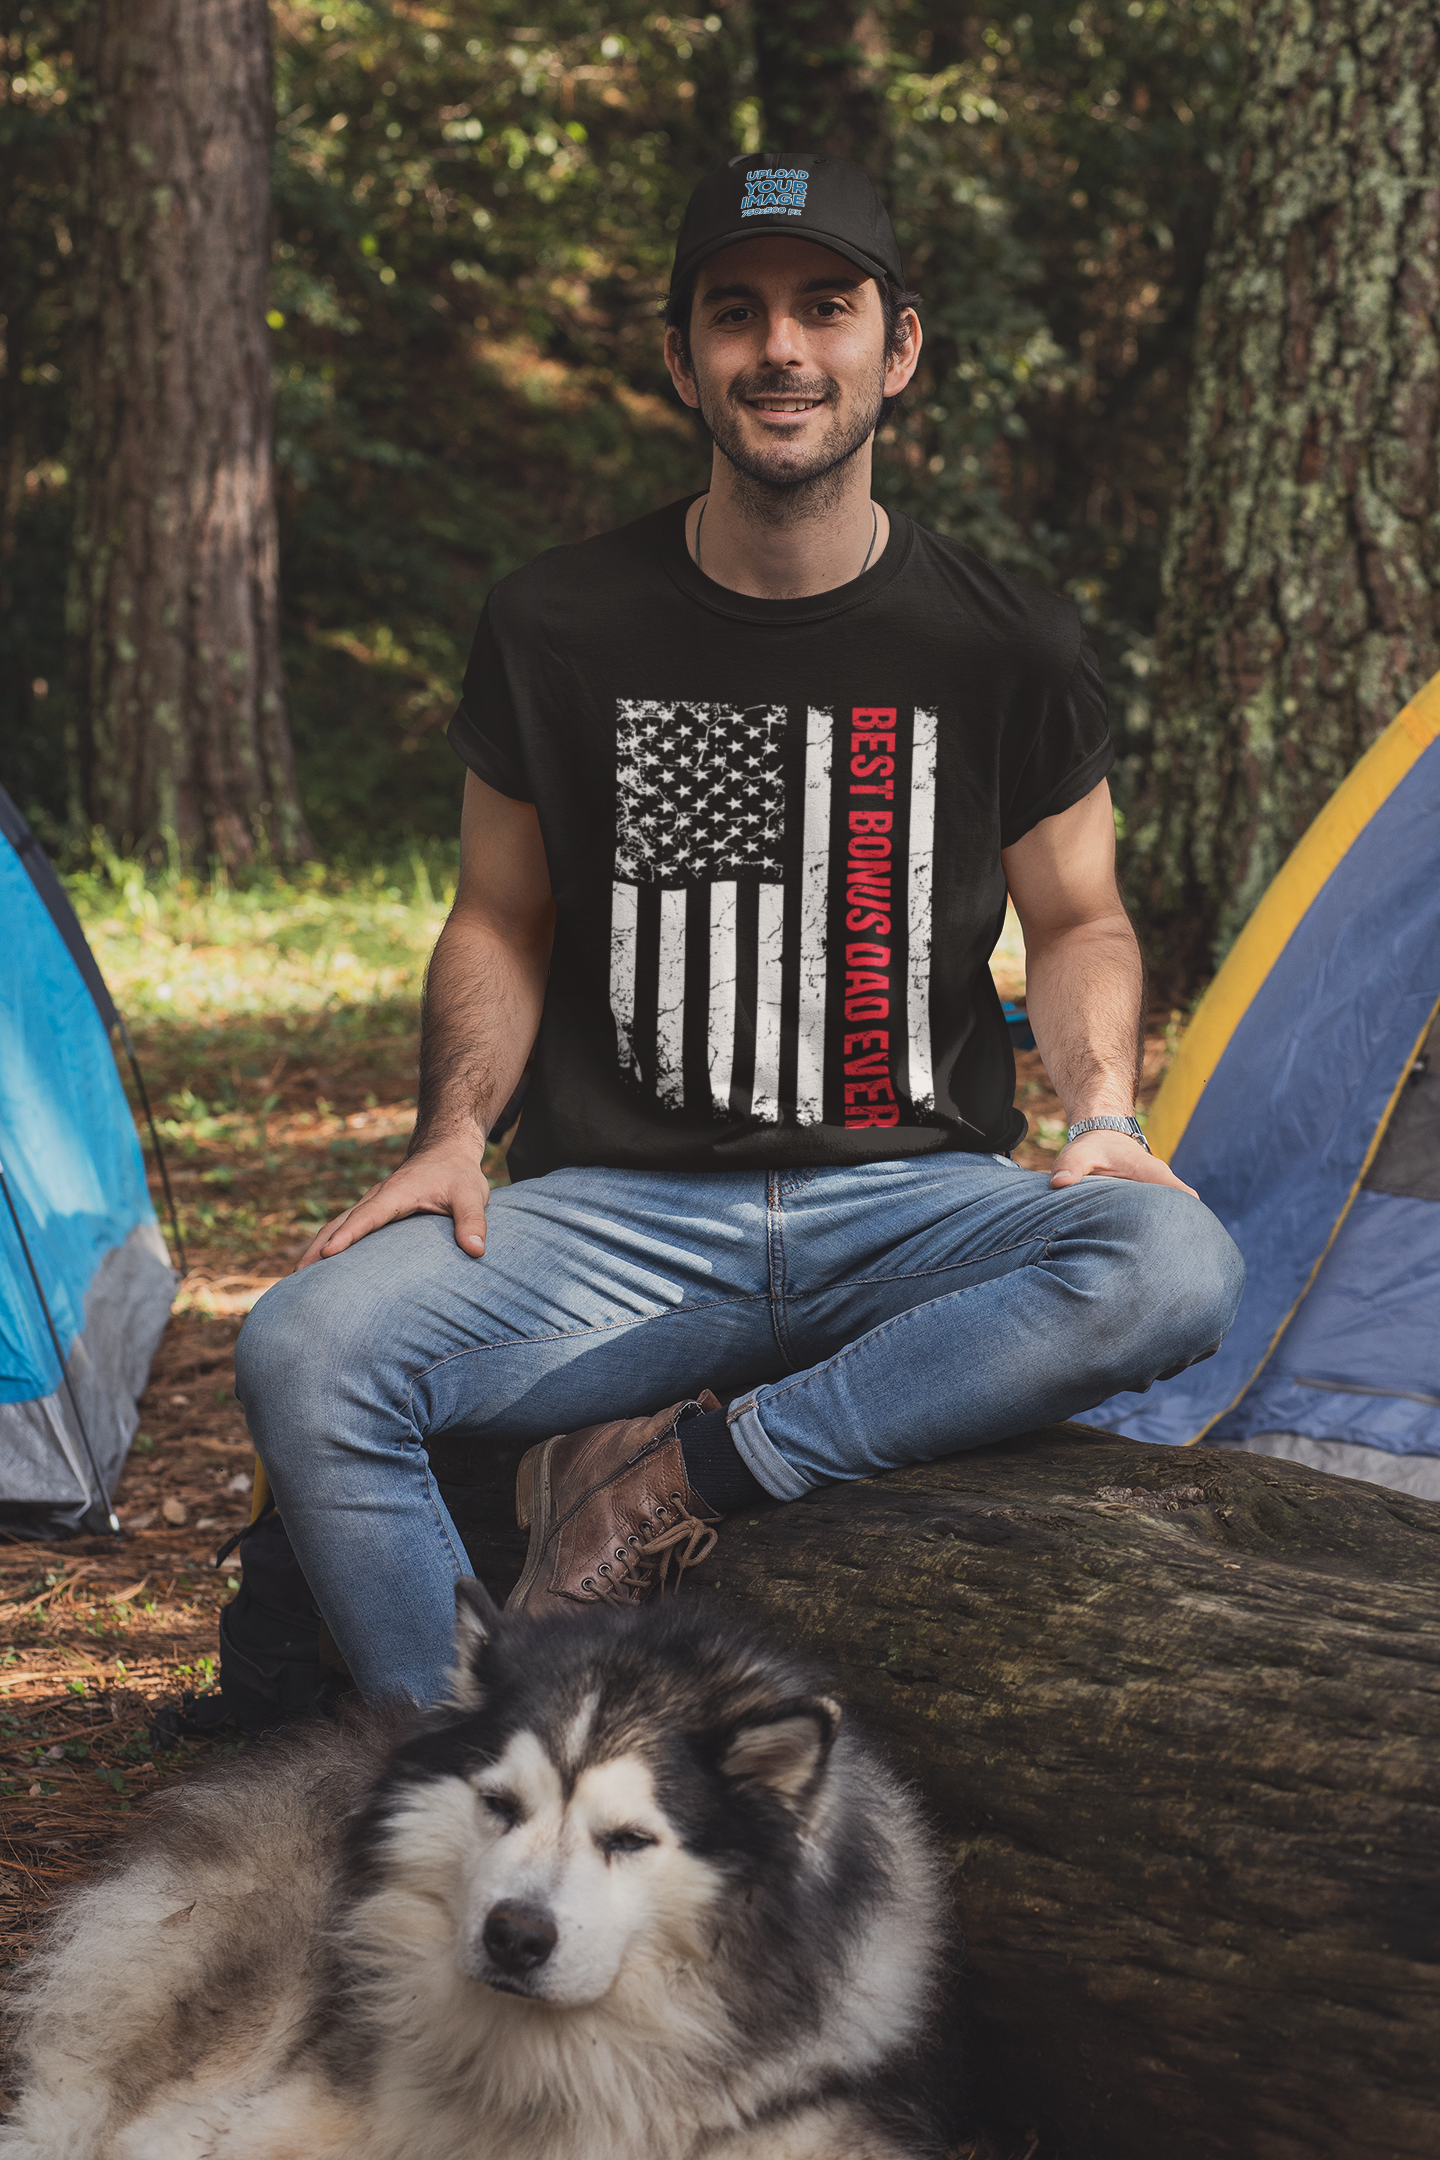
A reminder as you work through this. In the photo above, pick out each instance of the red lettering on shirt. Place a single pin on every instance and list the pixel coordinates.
(869, 1091)
(874, 1114)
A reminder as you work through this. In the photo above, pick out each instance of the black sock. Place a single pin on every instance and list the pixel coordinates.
(714, 1467)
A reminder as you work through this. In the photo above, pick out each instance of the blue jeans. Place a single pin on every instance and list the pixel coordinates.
(855, 1320)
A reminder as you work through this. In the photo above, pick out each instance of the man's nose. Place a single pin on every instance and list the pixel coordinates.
(784, 344)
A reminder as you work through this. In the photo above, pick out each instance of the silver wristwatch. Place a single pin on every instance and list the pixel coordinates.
(1128, 1125)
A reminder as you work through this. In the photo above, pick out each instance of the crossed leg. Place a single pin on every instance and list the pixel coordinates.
(856, 1319)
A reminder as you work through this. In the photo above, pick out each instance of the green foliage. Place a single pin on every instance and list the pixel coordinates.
(265, 944)
(475, 210)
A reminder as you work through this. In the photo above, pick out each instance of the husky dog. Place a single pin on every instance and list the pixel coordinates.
(634, 1893)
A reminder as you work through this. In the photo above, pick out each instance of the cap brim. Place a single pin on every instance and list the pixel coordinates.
(787, 229)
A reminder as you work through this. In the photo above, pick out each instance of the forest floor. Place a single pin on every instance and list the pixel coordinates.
(277, 1029)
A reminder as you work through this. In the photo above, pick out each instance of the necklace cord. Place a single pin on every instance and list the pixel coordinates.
(874, 534)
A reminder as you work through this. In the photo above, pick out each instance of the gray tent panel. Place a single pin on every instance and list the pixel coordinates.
(126, 1308)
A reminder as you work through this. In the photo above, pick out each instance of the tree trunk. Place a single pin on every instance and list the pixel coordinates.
(1178, 1717)
(818, 79)
(1303, 558)
(173, 609)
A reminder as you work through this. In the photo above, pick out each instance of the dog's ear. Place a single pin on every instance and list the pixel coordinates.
(786, 1751)
(476, 1618)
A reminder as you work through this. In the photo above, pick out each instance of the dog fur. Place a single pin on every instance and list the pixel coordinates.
(635, 1893)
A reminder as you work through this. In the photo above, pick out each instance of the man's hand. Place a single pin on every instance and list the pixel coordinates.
(484, 990)
(1113, 1154)
(446, 1178)
(1084, 985)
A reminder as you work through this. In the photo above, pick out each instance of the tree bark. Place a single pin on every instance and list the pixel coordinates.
(1178, 1718)
(183, 739)
(1303, 559)
(818, 80)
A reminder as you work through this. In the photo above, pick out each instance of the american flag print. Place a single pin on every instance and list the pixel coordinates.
(701, 790)
(726, 981)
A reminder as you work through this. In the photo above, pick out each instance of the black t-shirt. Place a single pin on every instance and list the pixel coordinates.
(773, 829)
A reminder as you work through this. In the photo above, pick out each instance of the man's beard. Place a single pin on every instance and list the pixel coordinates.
(773, 486)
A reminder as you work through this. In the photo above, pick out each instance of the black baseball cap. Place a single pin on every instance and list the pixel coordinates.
(809, 198)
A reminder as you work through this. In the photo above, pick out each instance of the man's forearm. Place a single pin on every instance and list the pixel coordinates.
(483, 994)
(1084, 992)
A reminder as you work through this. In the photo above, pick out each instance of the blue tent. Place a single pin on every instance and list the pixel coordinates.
(1304, 1107)
(85, 1281)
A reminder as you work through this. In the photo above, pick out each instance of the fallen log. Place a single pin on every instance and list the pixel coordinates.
(1178, 1715)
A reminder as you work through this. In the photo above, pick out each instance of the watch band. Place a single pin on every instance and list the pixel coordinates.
(1127, 1125)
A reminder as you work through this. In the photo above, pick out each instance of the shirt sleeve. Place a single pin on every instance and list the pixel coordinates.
(485, 731)
(1071, 751)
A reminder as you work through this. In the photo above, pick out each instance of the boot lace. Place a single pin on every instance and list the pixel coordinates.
(643, 1564)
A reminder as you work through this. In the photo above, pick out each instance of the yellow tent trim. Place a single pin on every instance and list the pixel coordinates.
(1364, 1171)
(1274, 921)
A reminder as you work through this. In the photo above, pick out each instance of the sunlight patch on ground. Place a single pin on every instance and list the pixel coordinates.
(275, 943)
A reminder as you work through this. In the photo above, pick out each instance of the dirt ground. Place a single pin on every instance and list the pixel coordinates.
(98, 1634)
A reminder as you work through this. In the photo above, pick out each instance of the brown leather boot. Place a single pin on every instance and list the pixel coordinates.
(609, 1513)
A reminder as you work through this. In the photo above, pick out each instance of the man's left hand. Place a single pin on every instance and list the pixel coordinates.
(1113, 1154)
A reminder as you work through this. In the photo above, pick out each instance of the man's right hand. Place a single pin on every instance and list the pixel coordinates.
(445, 1178)
(484, 990)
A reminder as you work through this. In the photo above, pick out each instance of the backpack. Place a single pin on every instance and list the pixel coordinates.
(277, 1658)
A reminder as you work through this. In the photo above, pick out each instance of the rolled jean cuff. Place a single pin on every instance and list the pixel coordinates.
(759, 1455)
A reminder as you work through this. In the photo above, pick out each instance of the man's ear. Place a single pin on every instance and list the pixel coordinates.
(476, 1618)
(682, 372)
(786, 1752)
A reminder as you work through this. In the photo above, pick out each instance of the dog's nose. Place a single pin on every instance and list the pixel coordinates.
(519, 1937)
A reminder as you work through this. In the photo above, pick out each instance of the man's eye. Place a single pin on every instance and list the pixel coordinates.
(625, 1841)
(502, 1807)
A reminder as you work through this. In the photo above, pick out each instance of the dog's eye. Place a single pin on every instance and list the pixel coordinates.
(503, 1808)
(624, 1841)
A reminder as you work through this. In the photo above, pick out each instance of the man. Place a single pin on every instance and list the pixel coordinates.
(747, 783)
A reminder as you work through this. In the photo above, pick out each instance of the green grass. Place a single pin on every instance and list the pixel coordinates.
(277, 1020)
(183, 949)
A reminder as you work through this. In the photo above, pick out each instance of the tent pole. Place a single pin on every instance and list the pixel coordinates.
(155, 1136)
(104, 1497)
